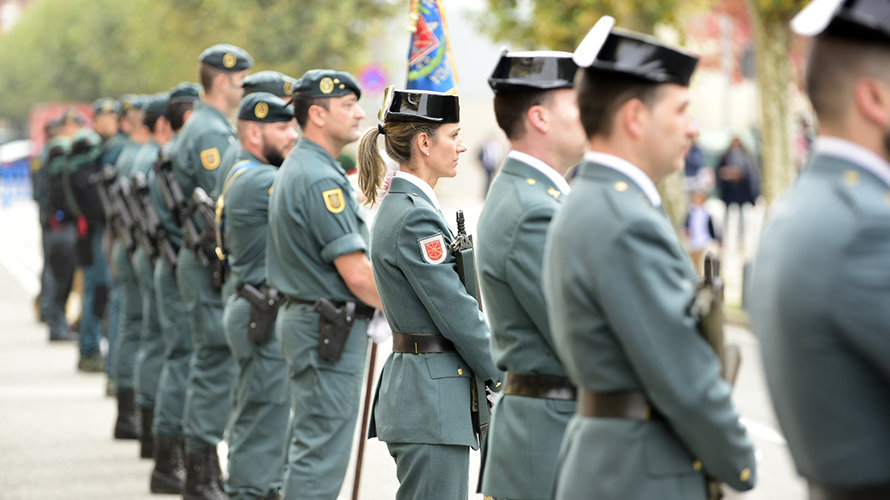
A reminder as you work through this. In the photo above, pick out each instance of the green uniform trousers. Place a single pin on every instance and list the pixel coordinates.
(261, 411)
(431, 471)
(176, 335)
(130, 328)
(150, 356)
(208, 395)
(325, 399)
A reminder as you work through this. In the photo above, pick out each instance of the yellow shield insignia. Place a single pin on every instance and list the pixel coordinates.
(210, 158)
(261, 110)
(333, 200)
(326, 85)
(229, 60)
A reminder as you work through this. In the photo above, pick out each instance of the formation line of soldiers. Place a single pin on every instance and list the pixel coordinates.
(252, 281)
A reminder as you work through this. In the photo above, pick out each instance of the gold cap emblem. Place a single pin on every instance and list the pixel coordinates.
(261, 110)
(229, 60)
(326, 85)
(745, 475)
(621, 186)
(288, 88)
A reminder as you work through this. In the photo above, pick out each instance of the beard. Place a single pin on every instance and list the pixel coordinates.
(273, 156)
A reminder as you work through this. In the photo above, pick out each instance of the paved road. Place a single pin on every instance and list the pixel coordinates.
(55, 423)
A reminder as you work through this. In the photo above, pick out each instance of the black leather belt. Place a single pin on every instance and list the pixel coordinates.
(410, 343)
(362, 310)
(869, 492)
(620, 404)
(540, 386)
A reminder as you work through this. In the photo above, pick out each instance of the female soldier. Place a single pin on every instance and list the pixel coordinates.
(440, 338)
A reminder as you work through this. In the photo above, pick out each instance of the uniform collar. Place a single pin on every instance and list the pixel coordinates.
(853, 153)
(629, 169)
(558, 181)
(310, 144)
(425, 188)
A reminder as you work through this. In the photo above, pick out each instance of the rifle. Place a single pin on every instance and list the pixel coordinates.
(708, 306)
(176, 201)
(462, 248)
(99, 180)
(124, 219)
(140, 225)
(205, 244)
(153, 225)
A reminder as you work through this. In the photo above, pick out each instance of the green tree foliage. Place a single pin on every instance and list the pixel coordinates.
(78, 50)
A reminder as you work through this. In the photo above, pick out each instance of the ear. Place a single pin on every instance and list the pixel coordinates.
(633, 117)
(254, 134)
(424, 143)
(873, 100)
(538, 118)
(317, 115)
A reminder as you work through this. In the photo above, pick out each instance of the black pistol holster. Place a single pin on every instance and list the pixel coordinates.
(334, 324)
(264, 303)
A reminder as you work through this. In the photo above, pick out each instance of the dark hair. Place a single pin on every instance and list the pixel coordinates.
(601, 95)
(175, 113)
(302, 105)
(150, 120)
(398, 138)
(511, 107)
(208, 74)
(833, 66)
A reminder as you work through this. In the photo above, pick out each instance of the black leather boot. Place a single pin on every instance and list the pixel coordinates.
(168, 475)
(146, 443)
(127, 424)
(203, 479)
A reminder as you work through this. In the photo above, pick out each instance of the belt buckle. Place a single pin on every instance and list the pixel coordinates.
(415, 348)
(647, 412)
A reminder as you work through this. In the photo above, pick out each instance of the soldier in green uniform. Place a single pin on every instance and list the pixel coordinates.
(113, 146)
(440, 338)
(654, 418)
(536, 108)
(196, 156)
(316, 249)
(168, 475)
(267, 132)
(820, 285)
(273, 82)
(130, 310)
(150, 354)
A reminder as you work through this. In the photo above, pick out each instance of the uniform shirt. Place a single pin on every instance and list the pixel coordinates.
(425, 398)
(512, 231)
(113, 147)
(126, 160)
(618, 286)
(229, 159)
(245, 197)
(819, 308)
(145, 158)
(314, 217)
(198, 153)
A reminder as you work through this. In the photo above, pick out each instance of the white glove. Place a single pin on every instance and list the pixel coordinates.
(378, 328)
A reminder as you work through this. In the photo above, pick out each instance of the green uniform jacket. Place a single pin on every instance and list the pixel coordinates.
(314, 217)
(525, 433)
(618, 287)
(246, 201)
(425, 398)
(198, 153)
(232, 156)
(821, 310)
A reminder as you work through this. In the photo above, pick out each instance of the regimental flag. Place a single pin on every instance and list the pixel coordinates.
(430, 65)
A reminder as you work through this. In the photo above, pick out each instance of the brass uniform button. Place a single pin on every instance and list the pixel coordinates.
(460, 371)
(851, 178)
(696, 465)
(745, 475)
(620, 186)
(531, 182)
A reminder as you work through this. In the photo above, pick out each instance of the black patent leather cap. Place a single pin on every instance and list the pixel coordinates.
(539, 70)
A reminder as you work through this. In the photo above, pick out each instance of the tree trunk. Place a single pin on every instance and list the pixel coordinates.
(673, 197)
(772, 41)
